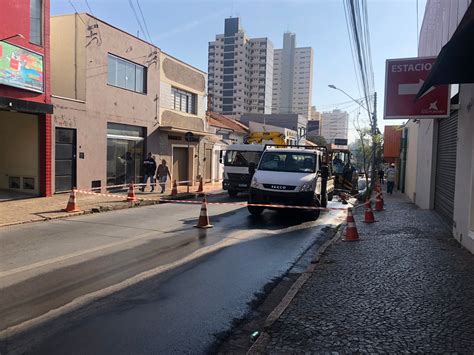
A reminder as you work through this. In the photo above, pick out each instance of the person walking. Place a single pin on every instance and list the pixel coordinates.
(381, 175)
(391, 177)
(162, 174)
(150, 170)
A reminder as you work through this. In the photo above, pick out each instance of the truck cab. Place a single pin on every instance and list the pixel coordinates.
(293, 176)
(237, 159)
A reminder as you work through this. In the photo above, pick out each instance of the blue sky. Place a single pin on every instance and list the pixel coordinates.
(183, 28)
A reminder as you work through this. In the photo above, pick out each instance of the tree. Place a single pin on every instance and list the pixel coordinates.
(363, 148)
(318, 140)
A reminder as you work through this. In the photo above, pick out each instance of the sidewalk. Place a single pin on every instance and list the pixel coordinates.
(43, 208)
(407, 286)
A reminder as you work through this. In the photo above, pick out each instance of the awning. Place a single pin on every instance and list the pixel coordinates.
(181, 130)
(455, 62)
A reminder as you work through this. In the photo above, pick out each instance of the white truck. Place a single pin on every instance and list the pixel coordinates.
(237, 159)
(293, 176)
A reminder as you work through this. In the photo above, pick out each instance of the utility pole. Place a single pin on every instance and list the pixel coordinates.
(209, 103)
(373, 175)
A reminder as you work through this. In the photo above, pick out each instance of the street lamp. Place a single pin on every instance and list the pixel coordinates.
(10, 37)
(373, 121)
(350, 97)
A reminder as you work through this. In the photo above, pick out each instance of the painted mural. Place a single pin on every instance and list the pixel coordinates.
(20, 68)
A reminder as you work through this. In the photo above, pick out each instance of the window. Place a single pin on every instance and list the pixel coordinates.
(126, 75)
(184, 101)
(36, 21)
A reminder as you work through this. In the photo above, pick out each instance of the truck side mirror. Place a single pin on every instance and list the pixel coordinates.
(252, 168)
(220, 160)
(324, 171)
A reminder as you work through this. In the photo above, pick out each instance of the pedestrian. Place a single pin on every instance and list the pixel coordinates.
(391, 176)
(150, 169)
(381, 175)
(162, 174)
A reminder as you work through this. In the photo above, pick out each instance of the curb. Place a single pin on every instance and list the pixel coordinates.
(101, 209)
(262, 341)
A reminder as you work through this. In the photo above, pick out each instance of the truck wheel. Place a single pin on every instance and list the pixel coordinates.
(232, 193)
(330, 196)
(255, 210)
(314, 214)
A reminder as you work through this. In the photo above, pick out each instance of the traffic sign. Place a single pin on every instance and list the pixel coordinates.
(403, 79)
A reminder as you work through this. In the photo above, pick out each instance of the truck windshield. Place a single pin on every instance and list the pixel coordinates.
(289, 162)
(241, 158)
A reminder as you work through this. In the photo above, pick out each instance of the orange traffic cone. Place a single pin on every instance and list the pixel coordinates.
(131, 193)
(351, 230)
(378, 203)
(369, 214)
(72, 203)
(174, 191)
(203, 221)
(201, 187)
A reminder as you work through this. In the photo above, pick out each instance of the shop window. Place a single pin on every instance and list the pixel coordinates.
(125, 153)
(126, 75)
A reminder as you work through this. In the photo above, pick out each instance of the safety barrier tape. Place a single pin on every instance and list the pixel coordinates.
(243, 204)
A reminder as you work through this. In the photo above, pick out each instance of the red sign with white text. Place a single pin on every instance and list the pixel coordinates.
(403, 80)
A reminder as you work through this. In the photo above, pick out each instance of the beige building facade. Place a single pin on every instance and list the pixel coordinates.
(112, 108)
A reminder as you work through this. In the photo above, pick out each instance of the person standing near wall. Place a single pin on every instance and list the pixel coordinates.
(162, 174)
(391, 177)
(150, 170)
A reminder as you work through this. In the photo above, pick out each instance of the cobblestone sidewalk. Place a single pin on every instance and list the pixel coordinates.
(407, 287)
(43, 208)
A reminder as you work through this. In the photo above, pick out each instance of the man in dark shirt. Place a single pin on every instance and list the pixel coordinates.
(163, 173)
(150, 169)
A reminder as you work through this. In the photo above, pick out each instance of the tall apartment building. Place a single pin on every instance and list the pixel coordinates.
(292, 77)
(335, 125)
(240, 72)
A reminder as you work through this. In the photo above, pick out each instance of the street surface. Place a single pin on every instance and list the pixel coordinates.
(186, 284)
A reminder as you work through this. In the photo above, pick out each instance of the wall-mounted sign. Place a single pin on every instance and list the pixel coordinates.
(21, 68)
(403, 79)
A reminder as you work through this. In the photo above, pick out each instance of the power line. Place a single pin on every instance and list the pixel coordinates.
(144, 22)
(76, 12)
(136, 16)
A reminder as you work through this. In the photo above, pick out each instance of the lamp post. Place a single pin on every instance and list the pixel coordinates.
(373, 129)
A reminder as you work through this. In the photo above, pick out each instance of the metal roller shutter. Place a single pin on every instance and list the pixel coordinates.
(445, 179)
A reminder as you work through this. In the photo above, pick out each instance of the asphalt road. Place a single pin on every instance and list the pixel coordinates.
(208, 277)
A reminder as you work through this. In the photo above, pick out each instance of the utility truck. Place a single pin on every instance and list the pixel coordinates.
(237, 159)
(294, 175)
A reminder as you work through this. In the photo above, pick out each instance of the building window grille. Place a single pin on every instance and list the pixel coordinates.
(184, 101)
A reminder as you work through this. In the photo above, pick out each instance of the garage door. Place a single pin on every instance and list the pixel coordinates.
(445, 179)
(180, 164)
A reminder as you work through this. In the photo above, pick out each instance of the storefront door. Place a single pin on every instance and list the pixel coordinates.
(65, 159)
(180, 164)
(208, 177)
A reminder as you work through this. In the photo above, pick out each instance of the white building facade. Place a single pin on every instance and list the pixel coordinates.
(240, 72)
(335, 125)
(292, 77)
(444, 153)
